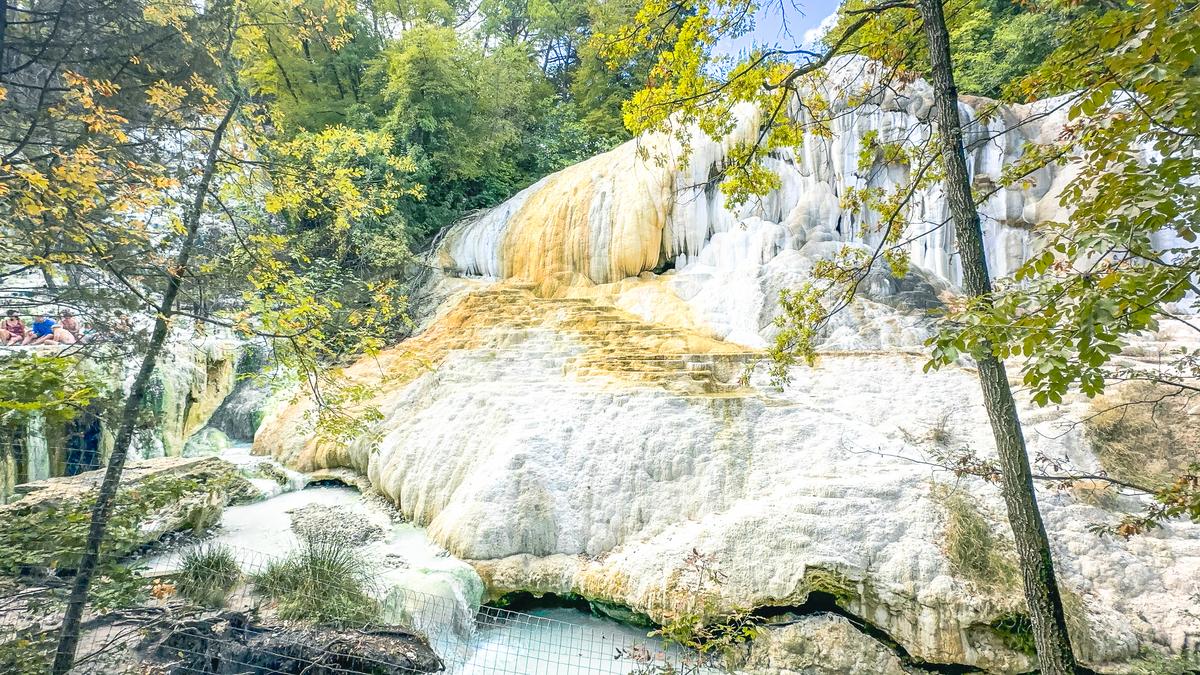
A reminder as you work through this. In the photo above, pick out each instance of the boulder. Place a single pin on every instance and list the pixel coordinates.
(820, 644)
(157, 497)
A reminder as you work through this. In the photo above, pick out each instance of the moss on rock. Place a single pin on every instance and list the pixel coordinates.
(47, 527)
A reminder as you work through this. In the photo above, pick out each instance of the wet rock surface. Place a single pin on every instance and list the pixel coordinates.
(179, 640)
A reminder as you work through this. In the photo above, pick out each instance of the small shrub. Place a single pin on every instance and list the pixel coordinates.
(696, 619)
(28, 654)
(974, 551)
(942, 430)
(208, 575)
(323, 582)
(1156, 663)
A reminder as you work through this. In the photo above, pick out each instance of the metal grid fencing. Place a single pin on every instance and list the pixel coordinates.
(215, 609)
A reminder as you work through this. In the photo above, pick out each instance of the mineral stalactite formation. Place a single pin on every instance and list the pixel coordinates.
(623, 213)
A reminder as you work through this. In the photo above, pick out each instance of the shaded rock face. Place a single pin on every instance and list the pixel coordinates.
(190, 383)
(583, 425)
(177, 640)
(240, 413)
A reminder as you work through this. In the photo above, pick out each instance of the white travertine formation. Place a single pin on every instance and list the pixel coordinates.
(564, 446)
(584, 427)
(618, 214)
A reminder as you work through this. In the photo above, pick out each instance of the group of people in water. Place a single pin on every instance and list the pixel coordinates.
(43, 331)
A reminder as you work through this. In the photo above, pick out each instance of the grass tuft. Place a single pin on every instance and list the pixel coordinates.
(208, 574)
(1079, 628)
(1151, 662)
(323, 582)
(1145, 433)
(974, 550)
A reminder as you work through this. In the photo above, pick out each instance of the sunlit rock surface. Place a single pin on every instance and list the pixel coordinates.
(618, 215)
(819, 644)
(563, 445)
(584, 424)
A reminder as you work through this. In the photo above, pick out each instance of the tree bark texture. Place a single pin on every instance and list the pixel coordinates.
(1033, 546)
(68, 641)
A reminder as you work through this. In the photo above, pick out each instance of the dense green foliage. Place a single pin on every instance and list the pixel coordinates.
(51, 537)
(480, 114)
(55, 386)
(998, 42)
(995, 43)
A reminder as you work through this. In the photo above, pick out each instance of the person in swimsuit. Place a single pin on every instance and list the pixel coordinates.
(42, 332)
(12, 329)
(70, 325)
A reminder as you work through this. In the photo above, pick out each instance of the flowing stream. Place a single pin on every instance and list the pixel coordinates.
(418, 583)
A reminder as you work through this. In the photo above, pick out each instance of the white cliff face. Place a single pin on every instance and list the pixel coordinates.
(564, 446)
(618, 215)
(583, 425)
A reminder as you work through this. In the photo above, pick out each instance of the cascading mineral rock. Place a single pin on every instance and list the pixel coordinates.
(579, 415)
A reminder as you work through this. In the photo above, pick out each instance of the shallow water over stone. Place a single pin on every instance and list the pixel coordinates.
(552, 641)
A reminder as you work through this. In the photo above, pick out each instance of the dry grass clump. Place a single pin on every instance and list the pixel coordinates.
(940, 432)
(1098, 493)
(1145, 433)
(975, 552)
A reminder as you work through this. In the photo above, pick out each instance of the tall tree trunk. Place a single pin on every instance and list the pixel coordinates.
(1033, 546)
(3, 35)
(68, 639)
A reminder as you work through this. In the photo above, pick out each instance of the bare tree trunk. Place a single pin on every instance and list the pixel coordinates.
(1033, 546)
(3, 34)
(68, 640)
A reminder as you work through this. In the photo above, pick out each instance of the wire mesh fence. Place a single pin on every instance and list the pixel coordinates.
(321, 609)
